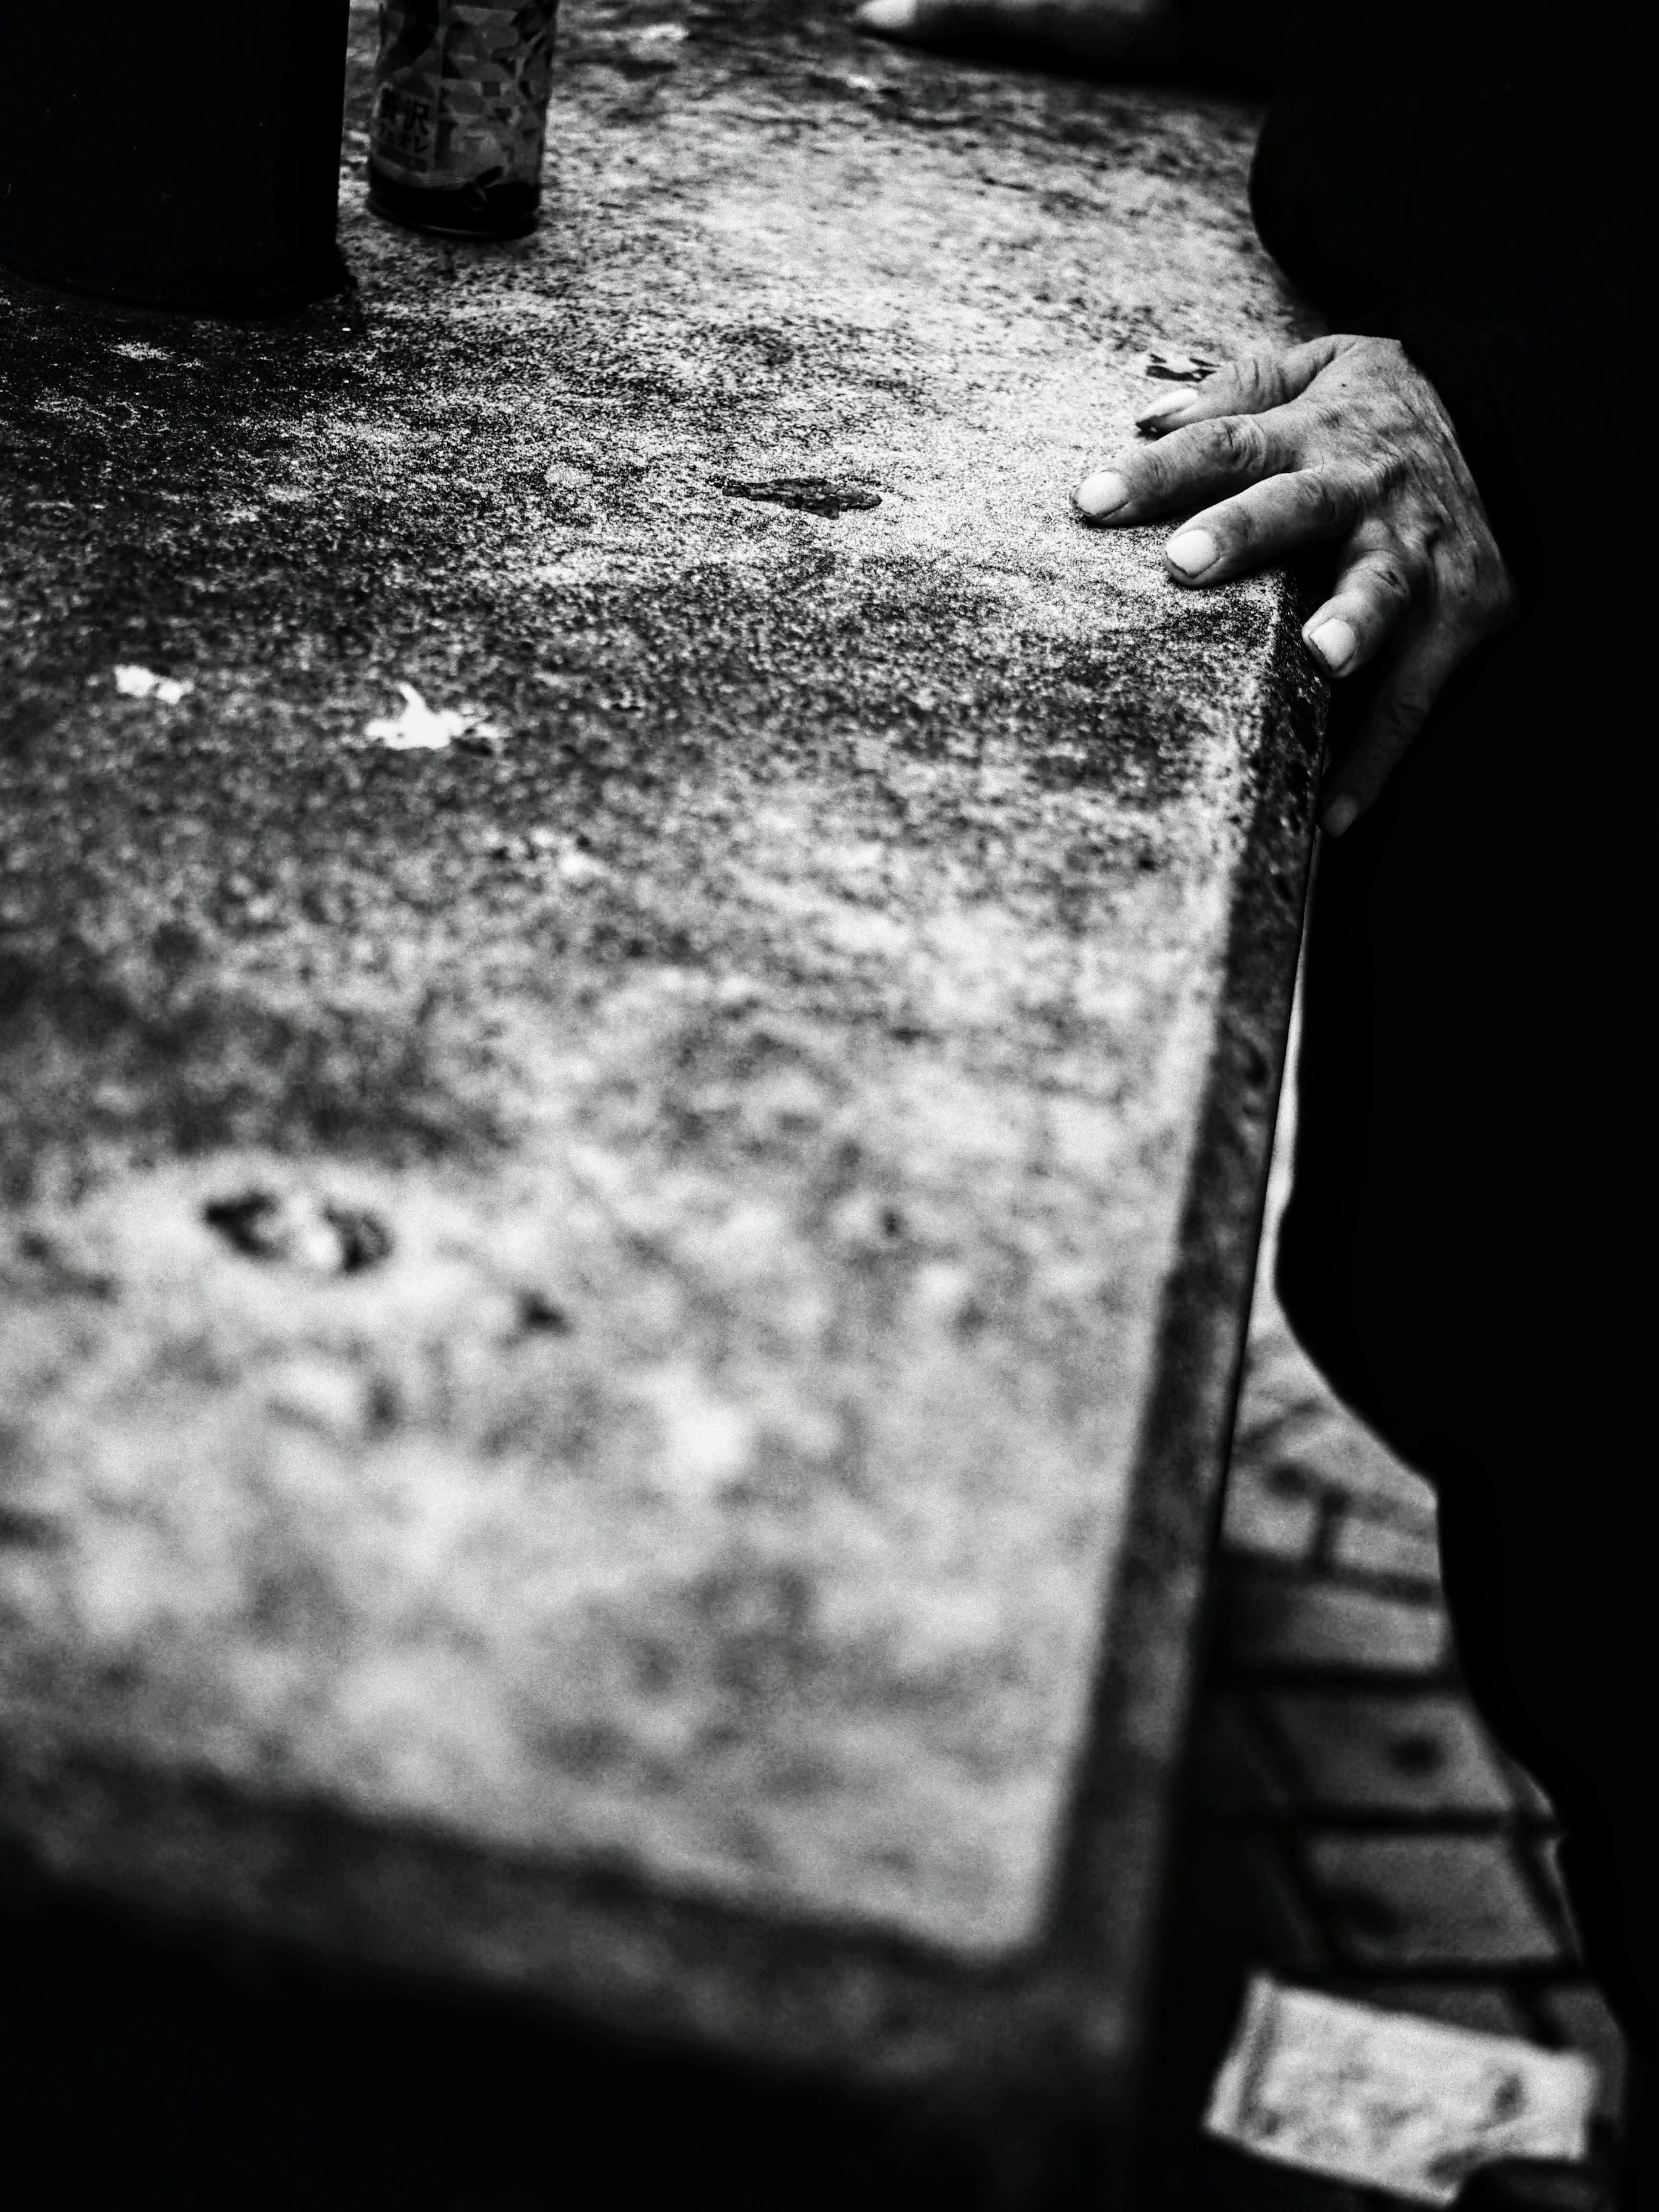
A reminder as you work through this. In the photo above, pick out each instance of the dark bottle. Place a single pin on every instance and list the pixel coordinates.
(460, 115)
(175, 152)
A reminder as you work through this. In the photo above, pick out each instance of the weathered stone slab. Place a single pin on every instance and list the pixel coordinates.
(616, 1331)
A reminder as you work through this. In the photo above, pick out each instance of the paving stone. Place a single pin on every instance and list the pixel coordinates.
(1427, 1900)
(1404, 1752)
(1288, 1414)
(1271, 1511)
(1578, 2014)
(1233, 1770)
(1279, 1381)
(1274, 1621)
(1349, 1462)
(1394, 1550)
(1239, 1896)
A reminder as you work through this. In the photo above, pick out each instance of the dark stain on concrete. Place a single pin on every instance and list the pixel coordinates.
(329, 1238)
(807, 494)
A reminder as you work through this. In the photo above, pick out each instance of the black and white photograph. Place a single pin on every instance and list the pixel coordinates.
(828, 939)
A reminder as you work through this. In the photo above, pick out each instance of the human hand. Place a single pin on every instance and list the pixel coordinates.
(1341, 441)
(1096, 34)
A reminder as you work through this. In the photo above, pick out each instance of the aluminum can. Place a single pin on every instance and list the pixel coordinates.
(460, 114)
(177, 153)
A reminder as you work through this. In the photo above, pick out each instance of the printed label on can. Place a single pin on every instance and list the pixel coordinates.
(461, 92)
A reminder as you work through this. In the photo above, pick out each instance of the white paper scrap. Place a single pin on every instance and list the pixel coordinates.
(135, 683)
(1389, 2102)
(425, 728)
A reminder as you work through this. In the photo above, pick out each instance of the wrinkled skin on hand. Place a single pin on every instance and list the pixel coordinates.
(1343, 443)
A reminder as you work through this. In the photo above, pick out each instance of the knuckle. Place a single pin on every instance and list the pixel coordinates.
(1257, 379)
(1235, 445)
(1383, 593)
(1419, 554)
(1476, 584)
(1387, 469)
(1326, 503)
(1387, 578)
(1328, 420)
(1154, 474)
(1400, 715)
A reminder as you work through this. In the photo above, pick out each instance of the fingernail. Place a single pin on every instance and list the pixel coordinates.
(1160, 411)
(1335, 644)
(1103, 494)
(895, 15)
(1339, 816)
(1192, 552)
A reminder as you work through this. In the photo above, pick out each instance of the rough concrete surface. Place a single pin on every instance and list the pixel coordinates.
(586, 1251)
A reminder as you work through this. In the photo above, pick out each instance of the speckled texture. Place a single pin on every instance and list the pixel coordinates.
(590, 1295)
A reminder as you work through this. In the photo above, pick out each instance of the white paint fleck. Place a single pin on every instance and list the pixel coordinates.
(707, 1441)
(423, 728)
(133, 682)
(318, 1393)
(579, 869)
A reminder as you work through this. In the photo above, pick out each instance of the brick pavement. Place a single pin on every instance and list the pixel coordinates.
(1351, 1826)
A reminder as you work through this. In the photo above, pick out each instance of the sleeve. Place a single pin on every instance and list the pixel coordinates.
(1490, 214)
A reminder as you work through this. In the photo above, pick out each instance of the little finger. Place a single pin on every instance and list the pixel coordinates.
(1402, 704)
(1373, 596)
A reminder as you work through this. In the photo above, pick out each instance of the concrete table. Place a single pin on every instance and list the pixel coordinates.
(640, 1000)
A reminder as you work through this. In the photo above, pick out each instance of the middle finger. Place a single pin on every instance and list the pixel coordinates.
(1190, 464)
(1272, 521)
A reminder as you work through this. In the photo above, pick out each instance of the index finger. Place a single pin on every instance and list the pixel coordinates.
(1190, 467)
(1249, 386)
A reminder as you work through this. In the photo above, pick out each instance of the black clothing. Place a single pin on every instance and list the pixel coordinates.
(1488, 199)
(1469, 1248)
(1466, 1250)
